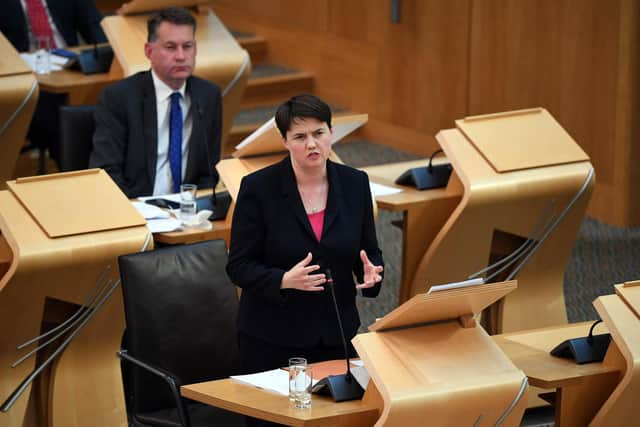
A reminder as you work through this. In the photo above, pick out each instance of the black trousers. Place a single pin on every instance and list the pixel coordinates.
(44, 130)
(257, 355)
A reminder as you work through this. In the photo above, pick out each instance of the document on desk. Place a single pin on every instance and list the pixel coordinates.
(382, 190)
(275, 380)
(158, 220)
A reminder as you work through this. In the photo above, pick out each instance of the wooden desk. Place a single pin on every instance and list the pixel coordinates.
(221, 230)
(82, 89)
(581, 389)
(248, 400)
(425, 213)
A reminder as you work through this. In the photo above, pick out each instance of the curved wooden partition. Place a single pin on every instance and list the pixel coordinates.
(499, 210)
(43, 282)
(621, 313)
(220, 58)
(18, 97)
(432, 365)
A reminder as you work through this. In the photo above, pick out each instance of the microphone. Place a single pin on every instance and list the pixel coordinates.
(341, 387)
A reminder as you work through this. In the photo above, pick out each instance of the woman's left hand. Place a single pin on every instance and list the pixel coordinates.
(371, 272)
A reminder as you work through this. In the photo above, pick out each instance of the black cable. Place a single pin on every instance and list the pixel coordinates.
(430, 167)
(590, 337)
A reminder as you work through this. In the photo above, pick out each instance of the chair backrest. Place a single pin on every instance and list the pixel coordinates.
(76, 137)
(180, 312)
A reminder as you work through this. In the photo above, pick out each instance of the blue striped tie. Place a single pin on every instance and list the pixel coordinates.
(175, 141)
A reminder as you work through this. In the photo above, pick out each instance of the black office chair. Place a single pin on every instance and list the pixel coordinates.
(76, 137)
(180, 311)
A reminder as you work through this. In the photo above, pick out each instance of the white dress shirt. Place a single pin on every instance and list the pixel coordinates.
(164, 181)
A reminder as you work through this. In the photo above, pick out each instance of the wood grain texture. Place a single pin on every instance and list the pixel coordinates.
(396, 73)
(85, 380)
(445, 60)
(18, 97)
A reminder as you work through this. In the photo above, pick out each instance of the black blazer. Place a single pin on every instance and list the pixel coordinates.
(271, 232)
(125, 142)
(70, 16)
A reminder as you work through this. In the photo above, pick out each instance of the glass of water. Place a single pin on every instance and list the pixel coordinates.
(42, 54)
(187, 202)
(293, 362)
(300, 381)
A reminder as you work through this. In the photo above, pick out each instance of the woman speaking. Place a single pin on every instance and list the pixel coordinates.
(292, 222)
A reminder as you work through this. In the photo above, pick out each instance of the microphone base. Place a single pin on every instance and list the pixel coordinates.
(424, 178)
(583, 350)
(340, 387)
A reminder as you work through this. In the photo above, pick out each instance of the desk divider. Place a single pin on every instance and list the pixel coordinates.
(428, 365)
(76, 202)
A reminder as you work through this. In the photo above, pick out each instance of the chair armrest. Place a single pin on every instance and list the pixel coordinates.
(168, 377)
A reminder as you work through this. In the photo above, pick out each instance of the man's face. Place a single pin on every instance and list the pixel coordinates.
(173, 53)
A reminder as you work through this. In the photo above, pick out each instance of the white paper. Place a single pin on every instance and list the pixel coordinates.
(361, 375)
(454, 285)
(163, 225)
(149, 211)
(383, 190)
(275, 380)
(54, 61)
(266, 125)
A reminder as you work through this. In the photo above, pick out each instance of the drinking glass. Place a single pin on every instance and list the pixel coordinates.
(294, 361)
(187, 202)
(42, 55)
(300, 381)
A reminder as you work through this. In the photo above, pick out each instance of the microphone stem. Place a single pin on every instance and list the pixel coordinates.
(335, 306)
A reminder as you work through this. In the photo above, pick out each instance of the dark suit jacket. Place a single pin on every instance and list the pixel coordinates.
(70, 16)
(270, 233)
(125, 143)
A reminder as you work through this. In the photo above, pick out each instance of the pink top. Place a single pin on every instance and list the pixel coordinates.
(317, 221)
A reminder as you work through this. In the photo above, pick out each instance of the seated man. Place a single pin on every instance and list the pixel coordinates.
(160, 128)
(21, 22)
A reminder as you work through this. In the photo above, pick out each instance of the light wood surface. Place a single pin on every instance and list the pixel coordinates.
(521, 139)
(75, 202)
(220, 58)
(512, 203)
(267, 139)
(444, 305)
(620, 315)
(451, 233)
(579, 61)
(630, 295)
(140, 6)
(580, 390)
(43, 276)
(237, 397)
(18, 97)
(81, 89)
(362, 61)
(447, 60)
(234, 169)
(11, 63)
(442, 371)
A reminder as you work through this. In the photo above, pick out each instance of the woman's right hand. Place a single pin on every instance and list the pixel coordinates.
(300, 277)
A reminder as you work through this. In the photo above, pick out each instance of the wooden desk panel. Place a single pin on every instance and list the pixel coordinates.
(248, 400)
(581, 389)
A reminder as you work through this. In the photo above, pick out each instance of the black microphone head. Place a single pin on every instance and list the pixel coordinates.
(328, 275)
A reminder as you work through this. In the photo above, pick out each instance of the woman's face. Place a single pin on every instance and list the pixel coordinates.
(309, 143)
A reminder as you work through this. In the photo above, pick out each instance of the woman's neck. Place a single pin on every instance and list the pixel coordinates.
(305, 177)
